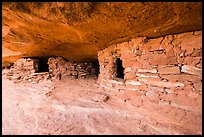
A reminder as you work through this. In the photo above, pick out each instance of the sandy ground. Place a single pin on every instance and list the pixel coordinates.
(68, 107)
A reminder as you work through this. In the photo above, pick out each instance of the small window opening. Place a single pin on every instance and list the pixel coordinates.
(119, 69)
(42, 65)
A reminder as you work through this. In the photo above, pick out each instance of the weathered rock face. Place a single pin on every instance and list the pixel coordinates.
(77, 31)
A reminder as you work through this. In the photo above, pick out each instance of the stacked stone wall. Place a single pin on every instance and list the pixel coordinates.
(163, 74)
(61, 68)
(25, 69)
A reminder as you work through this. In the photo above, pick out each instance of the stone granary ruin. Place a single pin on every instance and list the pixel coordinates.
(35, 69)
(102, 68)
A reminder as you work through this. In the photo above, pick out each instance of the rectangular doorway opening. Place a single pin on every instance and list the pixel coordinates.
(119, 69)
(42, 65)
(95, 70)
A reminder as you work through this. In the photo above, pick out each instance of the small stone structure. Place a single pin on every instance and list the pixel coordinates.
(28, 65)
(28, 69)
(60, 68)
(162, 74)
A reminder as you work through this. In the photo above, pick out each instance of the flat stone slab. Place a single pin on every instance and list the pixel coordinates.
(42, 73)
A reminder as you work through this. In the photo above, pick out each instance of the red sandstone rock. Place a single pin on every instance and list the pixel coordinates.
(126, 70)
(100, 98)
(137, 83)
(136, 101)
(167, 39)
(177, 50)
(153, 44)
(193, 94)
(196, 33)
(133, 97)
(182, 78)
(191, 70)
(199, 65)
(137, 42)
(129, 76)
(169, 70)
(152, 95)
(168, 96)
(197, 53)
(147, 75)
(198, 86)
(186, 100)
(193, 61)
(159, 83)
(161, 59)
(131, 63)
(147, 70)
(188, 43)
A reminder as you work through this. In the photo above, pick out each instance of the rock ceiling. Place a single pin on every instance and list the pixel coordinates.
(78, 30)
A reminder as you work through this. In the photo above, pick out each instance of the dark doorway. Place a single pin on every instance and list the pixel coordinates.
(96, 68)
(42, 65)
(119, 68)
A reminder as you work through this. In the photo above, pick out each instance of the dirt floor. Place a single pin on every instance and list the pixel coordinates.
(76, 107)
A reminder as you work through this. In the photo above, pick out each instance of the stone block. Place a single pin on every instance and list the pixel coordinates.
(157, 82)
(188, 43)
(99, 98)
(135, 43)
(132, 63)
(197, 53)
(147, 75)
(153, 44)
(160, 59)
(123, 46)
(128, 70)
(193, 61)
(129, 76)
(199, 65)
(177, 50)
(117, 81)
(167, 39)
(196, 33)
(191, 70)
(169, 70)
(147, 70)
(182, 78)
(157, 89)
(132, 82)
